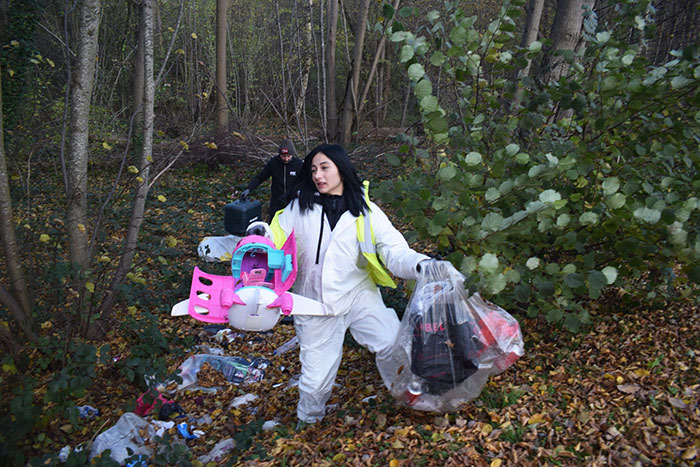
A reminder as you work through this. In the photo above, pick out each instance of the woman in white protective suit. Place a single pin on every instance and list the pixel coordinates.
(336, 268)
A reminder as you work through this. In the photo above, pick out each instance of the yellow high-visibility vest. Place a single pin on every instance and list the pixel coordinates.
(365, 236)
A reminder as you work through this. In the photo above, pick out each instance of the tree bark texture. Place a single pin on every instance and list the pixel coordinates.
(307, 62)
(77, 157)
(565, 35)
(350, 104)
(137, 96)
(221, 104)
(331, 106)
(532, 25)
(19, 303)
(139, 205)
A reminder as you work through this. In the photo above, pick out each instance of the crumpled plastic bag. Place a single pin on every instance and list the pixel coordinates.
(237, 370)
(450, 343)
(128, 432)
(217, 249)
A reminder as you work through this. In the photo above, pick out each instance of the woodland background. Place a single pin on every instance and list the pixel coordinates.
(549, 149)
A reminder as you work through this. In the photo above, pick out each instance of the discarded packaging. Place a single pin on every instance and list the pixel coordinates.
(130, 432)
(87, 411)
(291, 344)
(237, 370)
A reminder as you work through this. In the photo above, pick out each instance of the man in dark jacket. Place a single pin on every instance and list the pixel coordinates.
(283, 169)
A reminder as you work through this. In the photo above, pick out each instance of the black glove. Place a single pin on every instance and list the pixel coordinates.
(245, 193)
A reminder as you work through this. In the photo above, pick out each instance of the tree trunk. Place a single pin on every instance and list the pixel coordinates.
(307, 63)
(532, 26)
(19, 304)
(351, 98)
(565, 35)
(283, 72)
(137, 88)
(331, 107)
(373, 69)
(77, 158)
(139, 206)
(221, 105)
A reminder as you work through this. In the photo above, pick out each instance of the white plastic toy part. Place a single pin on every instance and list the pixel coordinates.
(254, 315)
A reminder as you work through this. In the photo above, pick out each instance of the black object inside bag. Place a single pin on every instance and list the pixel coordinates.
(443, 349)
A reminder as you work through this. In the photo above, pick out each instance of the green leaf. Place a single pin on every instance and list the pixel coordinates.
(437, 59)
(522, 158)
(447, 173)
(617, 200)
(493, 222)
(488, 263)
(512, 149)
(650, 216)
(603, 37)
(492, 194)
(549, 196)
(496, 283)
(473, 158)
(535, 47)
(532, 263)
(437, 125)
(574, 280)
(596, 282)
(521, 293)
(424, 88)
(679, 82)
(693, 273)
(399, 36)
(429, 104)
(610, 186)
(393, 160)
(406, 53)
(563, 220)
(416, 71)
(433, 15)
(610, 274)
(588, 218)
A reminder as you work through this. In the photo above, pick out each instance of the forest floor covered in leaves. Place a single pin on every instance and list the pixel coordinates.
(625, 390)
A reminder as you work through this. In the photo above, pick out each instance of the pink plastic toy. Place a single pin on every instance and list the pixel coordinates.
(260, 277)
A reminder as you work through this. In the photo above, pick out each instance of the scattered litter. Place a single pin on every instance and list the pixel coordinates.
(206, 348)
(130, 432)
(293, 381)
(182, 429)
(64, 453)
(369, 398)
(214, 328)
(87, 411)
(218, 452)
(217, 249)
(148, 401)
(243, 400)
(139, 462)
(161, 426)
(235, 369)
(270, 425)
(227, 335)
(204, 420)
(291, 344)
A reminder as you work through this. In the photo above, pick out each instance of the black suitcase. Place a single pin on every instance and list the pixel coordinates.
(239, 214)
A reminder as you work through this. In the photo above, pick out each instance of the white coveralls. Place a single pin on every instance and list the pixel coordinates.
(341, 281)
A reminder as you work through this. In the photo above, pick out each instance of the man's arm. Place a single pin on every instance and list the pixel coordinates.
(264, 174)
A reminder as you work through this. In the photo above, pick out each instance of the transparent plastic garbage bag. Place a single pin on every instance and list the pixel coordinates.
(450, 343)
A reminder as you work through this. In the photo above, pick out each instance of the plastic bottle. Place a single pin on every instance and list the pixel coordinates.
(292, 343)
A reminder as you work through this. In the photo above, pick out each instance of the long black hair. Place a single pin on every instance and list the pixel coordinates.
(306, 191)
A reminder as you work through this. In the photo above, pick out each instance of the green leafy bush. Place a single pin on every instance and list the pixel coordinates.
(547, 193)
